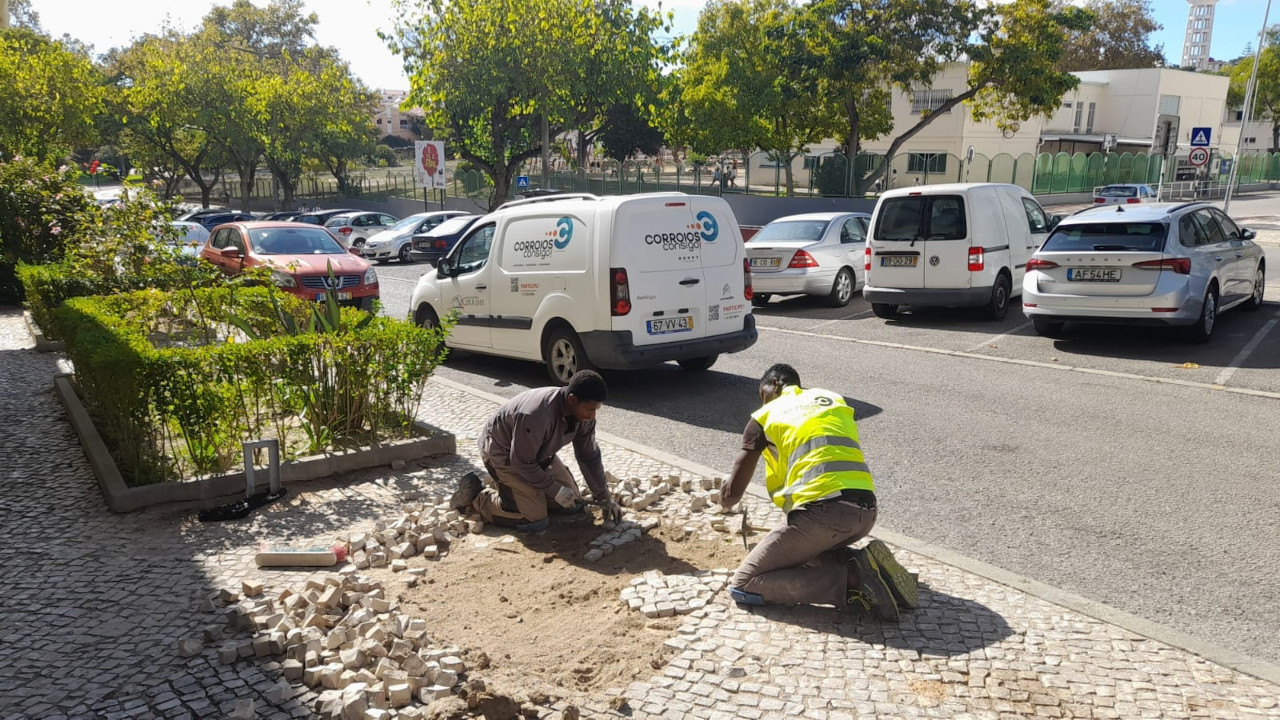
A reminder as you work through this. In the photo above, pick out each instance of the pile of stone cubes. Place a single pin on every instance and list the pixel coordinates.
(345, 638)
(657, 595)
(421, 530)
(699, 511)
(627, 531)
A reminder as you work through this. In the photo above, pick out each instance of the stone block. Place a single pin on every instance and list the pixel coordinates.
(380, 605)
(278, 694)
(447, 678)
(593, 555)
(399, 565)
(453, 662)
(330, 597)
(431, 693)
(228, 654)
(330, 676)
(379, 713)
(243, 710)
(292, 669)
(351, 658)
(475, 526)
(379, 559)
(261, 646)
(251, 588)
(399, 695)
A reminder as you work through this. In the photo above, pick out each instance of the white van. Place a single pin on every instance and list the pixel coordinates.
(579, 281)
(956, 245)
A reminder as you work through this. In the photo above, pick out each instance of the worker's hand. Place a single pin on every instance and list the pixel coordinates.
(565, 497)
(727, 501)
(612, 511)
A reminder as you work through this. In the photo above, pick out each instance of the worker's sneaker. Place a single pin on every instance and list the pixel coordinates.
(469, 487)
(901, 583)
(871, 593)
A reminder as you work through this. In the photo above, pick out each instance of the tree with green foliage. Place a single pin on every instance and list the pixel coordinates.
(753, 79)
(624, 132)
(1266, 92)
(49, 96)
(1118, 38)
(870, 47)
(42, 209)
(489, 72)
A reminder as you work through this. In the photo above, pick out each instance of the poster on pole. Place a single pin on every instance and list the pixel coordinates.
(428, 164)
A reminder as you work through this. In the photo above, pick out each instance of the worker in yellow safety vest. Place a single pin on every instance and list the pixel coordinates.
(815, 472)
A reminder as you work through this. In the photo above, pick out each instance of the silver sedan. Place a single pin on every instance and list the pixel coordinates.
(812, 254)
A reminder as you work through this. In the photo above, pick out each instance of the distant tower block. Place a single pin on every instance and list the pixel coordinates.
(1195, 48)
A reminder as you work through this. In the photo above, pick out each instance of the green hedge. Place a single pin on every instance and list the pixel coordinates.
(175, 385)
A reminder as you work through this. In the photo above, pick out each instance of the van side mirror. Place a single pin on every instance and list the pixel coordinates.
(445, 268)
(1054, 220)
(1247, 234)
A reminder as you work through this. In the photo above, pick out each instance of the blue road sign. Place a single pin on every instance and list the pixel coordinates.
(522, 182)
(1224, 167)
(1200, 136)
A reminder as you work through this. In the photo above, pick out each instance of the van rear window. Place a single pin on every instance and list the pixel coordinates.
(1104, 237)
(931, 217)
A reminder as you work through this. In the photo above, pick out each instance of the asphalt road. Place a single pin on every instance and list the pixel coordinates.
(1075, 462)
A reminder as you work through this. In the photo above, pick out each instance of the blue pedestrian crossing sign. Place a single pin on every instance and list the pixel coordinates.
(522, 182)
(1200, 136)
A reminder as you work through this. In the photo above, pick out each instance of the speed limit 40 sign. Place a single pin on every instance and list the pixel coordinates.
(1199, 156)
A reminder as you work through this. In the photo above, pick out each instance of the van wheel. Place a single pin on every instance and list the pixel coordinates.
(760, 299)
(698, 364)
(842, 288)
(1048, 328)
(427, 318)
(998, 305)
(1202, 331)
(564, 355)
(884, 310)
(406, 254)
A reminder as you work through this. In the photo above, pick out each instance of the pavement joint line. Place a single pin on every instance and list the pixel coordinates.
(1032, 363)
(853, 316)
(1246, 351)
(1206, 650)
(992, 340)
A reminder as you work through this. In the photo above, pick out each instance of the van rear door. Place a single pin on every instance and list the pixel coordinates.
(897, 243)
(657, 241)
(947, 233)
(722, 254)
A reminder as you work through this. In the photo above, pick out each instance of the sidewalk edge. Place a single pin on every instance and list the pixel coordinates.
(1212, 652)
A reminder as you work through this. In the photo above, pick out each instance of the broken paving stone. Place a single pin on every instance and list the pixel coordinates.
(278, 694)
(243, 710)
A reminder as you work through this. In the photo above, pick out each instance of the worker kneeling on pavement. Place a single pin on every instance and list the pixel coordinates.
(518, 445)
(816, 473)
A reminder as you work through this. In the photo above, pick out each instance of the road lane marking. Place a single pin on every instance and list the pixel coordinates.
(393, 277)
(1245, 352)
(1001, 336)
(853, 316)
(1030, 363)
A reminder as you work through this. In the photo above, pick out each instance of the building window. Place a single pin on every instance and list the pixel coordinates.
(930, 100)
(1169, 104)
(1079, 115)
(1066, 106)
(1088, 128)
(811, 162)
(404, 124)
(927, 162)
(1195, 50)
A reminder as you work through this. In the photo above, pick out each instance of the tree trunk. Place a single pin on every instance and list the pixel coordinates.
(899, 141)
(501, 187)
(789, 172)
(247, 173)
(1275, 136)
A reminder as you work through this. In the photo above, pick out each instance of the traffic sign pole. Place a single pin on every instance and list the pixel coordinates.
(1248, 107)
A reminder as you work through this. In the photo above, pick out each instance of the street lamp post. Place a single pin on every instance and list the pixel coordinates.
(1248, 109)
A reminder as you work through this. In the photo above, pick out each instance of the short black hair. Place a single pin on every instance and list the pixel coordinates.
(780, 376)
(588, 386)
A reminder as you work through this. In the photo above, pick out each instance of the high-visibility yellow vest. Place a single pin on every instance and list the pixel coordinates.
(816, 450)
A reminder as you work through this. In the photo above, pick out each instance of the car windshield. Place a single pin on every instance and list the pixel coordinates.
(791, 231)
(407, 224)
(1122, 191)
(294, 241)
(453, 225)
(1111, 236)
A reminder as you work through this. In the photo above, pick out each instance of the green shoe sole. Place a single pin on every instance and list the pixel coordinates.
(872, 594)
(901, 583)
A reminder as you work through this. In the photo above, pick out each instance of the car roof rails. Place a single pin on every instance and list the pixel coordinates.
(548, 198)
(1186, 205)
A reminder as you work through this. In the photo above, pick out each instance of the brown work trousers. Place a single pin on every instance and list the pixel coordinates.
(803, 560)
(516, 502)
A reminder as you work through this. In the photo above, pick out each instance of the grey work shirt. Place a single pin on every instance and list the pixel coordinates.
(530, 428)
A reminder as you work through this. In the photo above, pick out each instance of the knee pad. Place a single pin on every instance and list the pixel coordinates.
(745, 598)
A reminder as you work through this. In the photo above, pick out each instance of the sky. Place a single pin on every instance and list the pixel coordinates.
(352, 25)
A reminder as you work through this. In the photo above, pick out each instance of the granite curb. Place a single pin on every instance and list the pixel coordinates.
(1212, 652)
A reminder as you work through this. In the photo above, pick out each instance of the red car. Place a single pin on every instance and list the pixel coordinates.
(299, 257)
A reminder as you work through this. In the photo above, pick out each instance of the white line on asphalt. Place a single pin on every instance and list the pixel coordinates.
(854, 316)
(1245, 352)
(1030, 363)
(992, 340)
(403, 280)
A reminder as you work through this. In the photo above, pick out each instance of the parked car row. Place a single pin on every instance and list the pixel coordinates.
(1125, 260)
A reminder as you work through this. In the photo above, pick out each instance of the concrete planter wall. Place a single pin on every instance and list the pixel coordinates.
(214, 490)
(43, 344)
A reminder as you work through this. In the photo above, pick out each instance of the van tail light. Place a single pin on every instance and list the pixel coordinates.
(1099, 200)
(866, 263)
(619, 292)
(802, 259)
(345, 230)
(976, 259)
(748, 291)
(1181, 266)
(1133, 201)
(1038, 264)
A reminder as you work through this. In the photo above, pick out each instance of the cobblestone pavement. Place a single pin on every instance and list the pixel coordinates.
(94, 604)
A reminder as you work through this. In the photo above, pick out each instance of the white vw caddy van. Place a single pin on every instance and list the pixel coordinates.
(579, 281)
(963, 244)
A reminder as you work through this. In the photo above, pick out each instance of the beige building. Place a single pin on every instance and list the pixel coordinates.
(1123, 103)
(1199, 37)
(389, 119)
